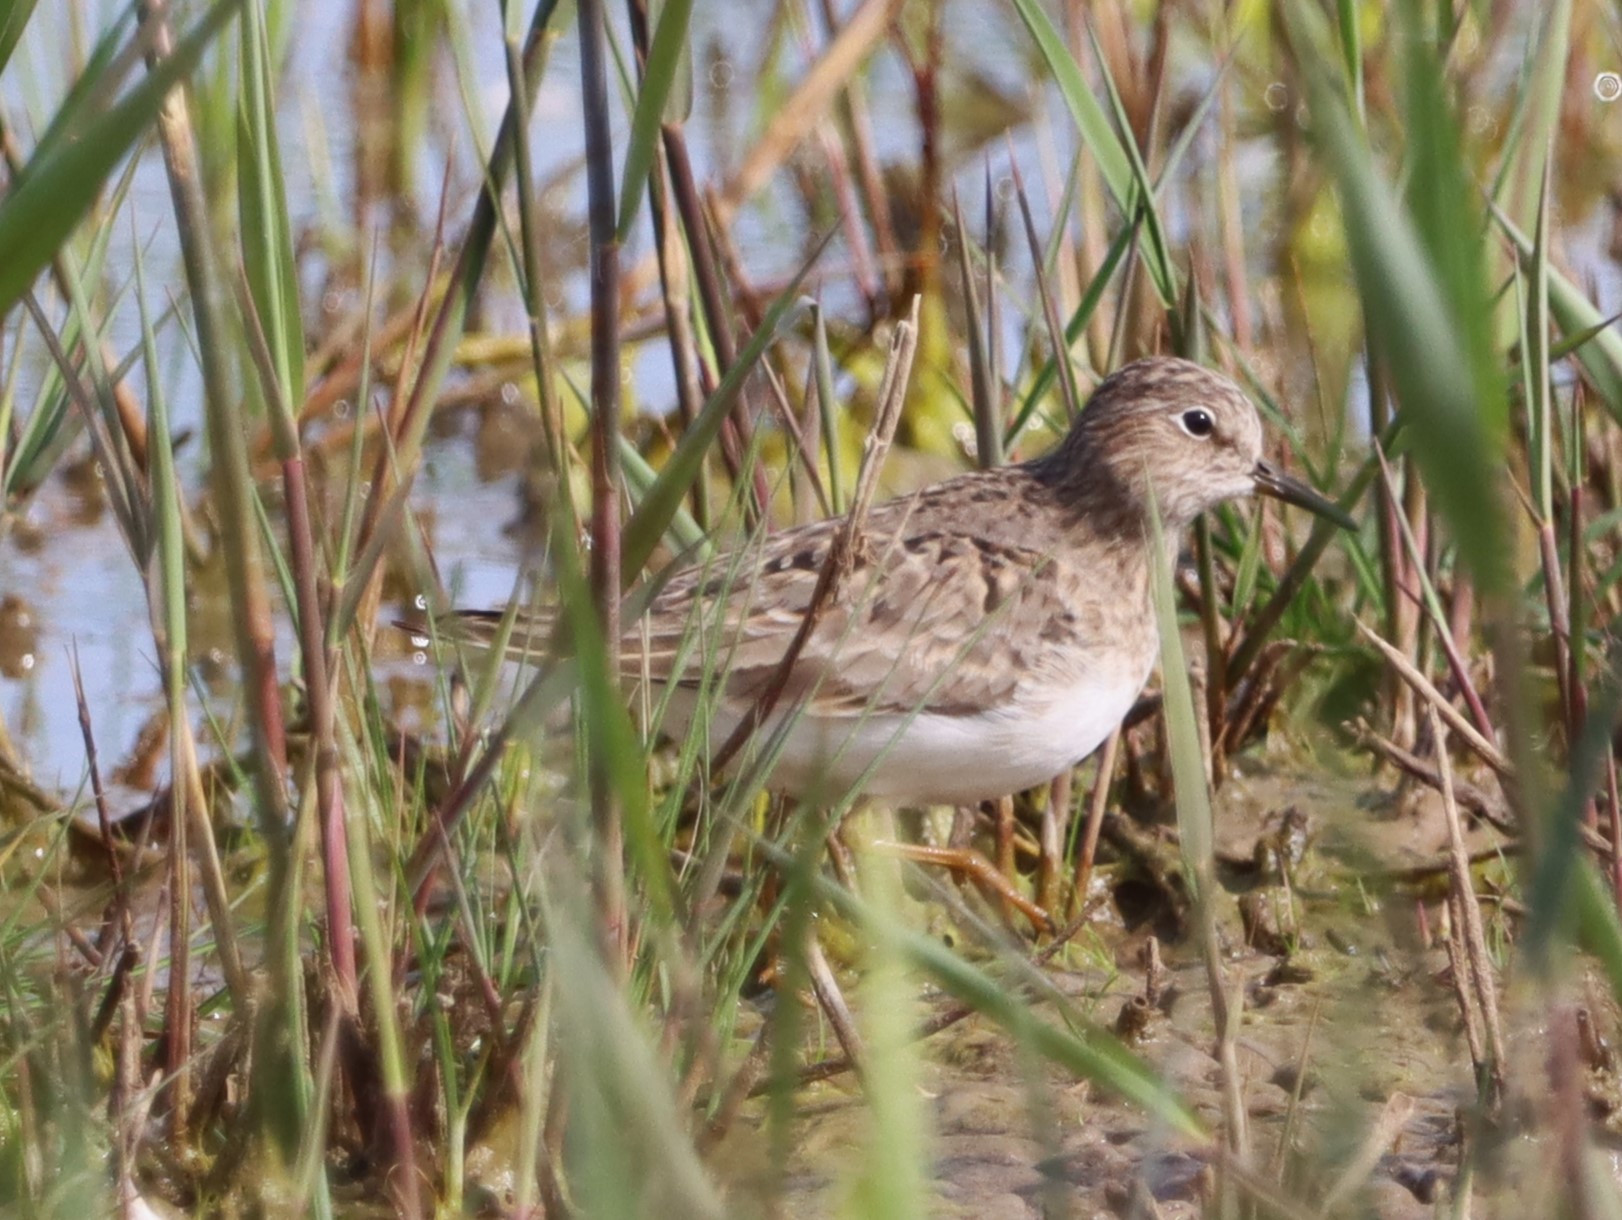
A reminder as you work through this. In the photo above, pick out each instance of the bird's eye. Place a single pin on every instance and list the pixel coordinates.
(1197, 422)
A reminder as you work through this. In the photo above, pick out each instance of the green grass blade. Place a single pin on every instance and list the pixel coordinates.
(1544, 84)
(626, 1125)
(14, 15)
(1551, 897)
(267, 235)
(1091, 1053)
(616, 749)
(1351, 50)
(1194, 825)
(102, 75)
(653, 516)
(1091, 121)
(987, 429)
(1158, 258)
(684, 534)
(1598, 927)
(1420, 278)
(822, 366)
(62, 179)
(1043, 381)
(893, 1169)
(1588, 331)
(667, 58)
(1535, 364)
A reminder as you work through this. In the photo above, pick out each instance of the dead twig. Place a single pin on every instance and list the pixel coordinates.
(1475, 941)
(847, 540)
(1493, 810)
(832, 1001)
(1384, 1132)
(1488, 752)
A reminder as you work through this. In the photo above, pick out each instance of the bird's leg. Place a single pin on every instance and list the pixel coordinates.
(1004, 806)
(961, 839)
(1095, 821)
(839, 855)
(777, 807)
(1055, 822)
(972, 864)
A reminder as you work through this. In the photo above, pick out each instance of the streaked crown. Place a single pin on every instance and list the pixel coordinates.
(1168, 427)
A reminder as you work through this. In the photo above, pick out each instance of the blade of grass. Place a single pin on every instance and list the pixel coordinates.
(14, 15)
(893, 1173)
(1351, 50)
(622, 1102)
(168, 613)
(62, 179)
(1158, 258)
(1421, 273)
(1588, 331)
(1196, 832)
(266, 231)
(1538, 387)
(1528, 157)
(1059, 339)
(1090, 1052)
(1091, 122)
(1079, 319)
(1553, 913)
(370, 909)
(653, 515)
(987, 428)
(827, 407)
(667, 56)
(684, 535)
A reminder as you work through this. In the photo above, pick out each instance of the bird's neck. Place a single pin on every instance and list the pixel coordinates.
(1096, 499)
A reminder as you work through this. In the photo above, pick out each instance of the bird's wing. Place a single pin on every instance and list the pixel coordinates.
(921, 622)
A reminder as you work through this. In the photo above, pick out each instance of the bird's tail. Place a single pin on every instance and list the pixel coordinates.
(523, 635)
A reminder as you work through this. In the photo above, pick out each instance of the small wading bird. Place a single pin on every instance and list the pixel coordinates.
(992, 629)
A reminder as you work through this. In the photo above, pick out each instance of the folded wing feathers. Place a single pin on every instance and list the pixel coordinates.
(949, 590)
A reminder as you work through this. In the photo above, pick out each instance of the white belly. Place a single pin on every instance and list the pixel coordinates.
(931, 759)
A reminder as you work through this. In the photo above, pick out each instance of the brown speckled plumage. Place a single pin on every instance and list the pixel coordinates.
(999, 603)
